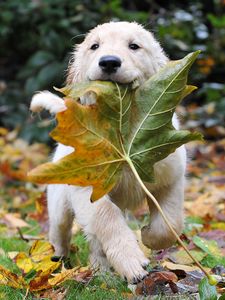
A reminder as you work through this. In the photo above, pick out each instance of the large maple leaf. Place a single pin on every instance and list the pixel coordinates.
(125, 126)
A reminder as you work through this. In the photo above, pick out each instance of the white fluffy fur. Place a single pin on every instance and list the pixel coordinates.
(111, 240)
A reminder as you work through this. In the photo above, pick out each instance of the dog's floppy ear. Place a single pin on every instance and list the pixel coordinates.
(70, 75)
(73, 70)
(159, 57)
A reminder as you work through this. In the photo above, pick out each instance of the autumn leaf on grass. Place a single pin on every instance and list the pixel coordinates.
(38, 259)
(214, 255)
(125, 125)
(11, 279)
(35, 267)
(155, 283)
(38, 272)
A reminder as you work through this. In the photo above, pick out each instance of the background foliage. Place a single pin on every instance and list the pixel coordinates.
(37, 37)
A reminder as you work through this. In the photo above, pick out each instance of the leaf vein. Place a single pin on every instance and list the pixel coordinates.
(155, 147)
(172, 81)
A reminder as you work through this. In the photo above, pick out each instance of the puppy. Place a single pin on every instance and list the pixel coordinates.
(124, 53)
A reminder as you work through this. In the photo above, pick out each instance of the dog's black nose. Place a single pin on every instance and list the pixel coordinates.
(109, 63)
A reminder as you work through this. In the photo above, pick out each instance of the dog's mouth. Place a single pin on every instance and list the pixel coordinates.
(114, 81)
(133, 83)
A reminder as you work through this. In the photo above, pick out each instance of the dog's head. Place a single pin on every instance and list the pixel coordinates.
(122, 52)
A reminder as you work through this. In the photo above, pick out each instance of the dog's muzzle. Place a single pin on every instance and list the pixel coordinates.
(109, 64)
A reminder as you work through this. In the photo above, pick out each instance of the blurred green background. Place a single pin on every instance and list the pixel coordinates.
(37, 37)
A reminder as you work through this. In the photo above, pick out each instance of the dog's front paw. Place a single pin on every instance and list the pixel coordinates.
(133, 270)
(129, 263)
(99, 262)
(48, 101)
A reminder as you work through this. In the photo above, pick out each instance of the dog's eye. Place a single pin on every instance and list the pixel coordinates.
(94, 46)
(134, 46)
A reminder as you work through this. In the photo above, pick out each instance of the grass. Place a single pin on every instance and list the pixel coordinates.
(102, 286)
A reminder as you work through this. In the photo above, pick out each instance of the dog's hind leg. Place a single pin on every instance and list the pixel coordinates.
(157, 234)
(169, 192)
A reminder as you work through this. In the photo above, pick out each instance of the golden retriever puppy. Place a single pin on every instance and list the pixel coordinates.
(124, 53)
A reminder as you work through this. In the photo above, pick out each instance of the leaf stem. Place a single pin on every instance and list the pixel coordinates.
(149, 194)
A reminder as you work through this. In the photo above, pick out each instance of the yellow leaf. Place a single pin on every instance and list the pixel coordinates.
(79, 274)
(40, 250)
(39, 258)
(60, 277)
(11, 279)
(47, 264)
(218, 225)
(24, 262)
(3, 131)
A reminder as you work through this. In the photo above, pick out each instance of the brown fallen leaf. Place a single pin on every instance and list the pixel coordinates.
(172, 266)
(7, 170)
(40, 281)
(13, 220)
(62, 276)
(9, 278)
(190, 283)
(84, 275)
(206, 202)
(40, 214)
(58, 294)
(154, 283)
(79, 274)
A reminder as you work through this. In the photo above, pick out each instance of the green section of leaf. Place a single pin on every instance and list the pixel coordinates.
(192, 223)
(153, 137)
(30, 276)
(194, 220)
(207, 291)
(212, 261)
(208, 246)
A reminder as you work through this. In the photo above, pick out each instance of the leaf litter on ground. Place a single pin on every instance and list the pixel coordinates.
(39, 272)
